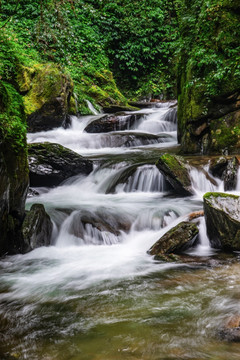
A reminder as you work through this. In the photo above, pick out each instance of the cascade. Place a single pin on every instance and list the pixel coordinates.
(97, 277)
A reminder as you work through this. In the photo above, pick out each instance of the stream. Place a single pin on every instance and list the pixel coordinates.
(96, 294)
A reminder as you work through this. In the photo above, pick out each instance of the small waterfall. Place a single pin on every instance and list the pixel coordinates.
(147, 178)
(92, 108)
(202, 182)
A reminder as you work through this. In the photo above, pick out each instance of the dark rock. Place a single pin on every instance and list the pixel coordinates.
(222, 215)
(50, 164)
(176, 173)
(217, 166)
(110, 123)
(37, 228)
(13, 169)
(96, 227)
(176, 240)
(32, 192)
(231, 330)
(230, 174)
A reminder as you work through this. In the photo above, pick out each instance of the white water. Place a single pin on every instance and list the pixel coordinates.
(85, 253)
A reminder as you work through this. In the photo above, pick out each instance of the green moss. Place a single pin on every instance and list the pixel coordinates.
(208, 195)
(12, 118)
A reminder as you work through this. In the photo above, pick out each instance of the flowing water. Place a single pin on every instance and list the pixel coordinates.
(96, 294)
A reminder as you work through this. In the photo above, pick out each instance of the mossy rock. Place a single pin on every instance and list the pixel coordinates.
(222, 214)
(13, 168)
(175, 241)
(176, 172)
(47, 96)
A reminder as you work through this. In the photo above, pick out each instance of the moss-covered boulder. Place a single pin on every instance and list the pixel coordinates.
(222, 215)
(176, 172)
(176, 240)
(37, 228)
(47, 96)
(13, 168)
(50, 164)
(208, 76)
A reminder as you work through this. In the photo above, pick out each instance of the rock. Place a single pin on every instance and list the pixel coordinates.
(99, 227)
(110, 123)
(231, 330)
(47, 96)
(176, 173)
(217, 166)
(37, 228)
(230, 174)
(210, 126)
(50, 164)
(176, 240)
(13, 169)
(32, 192)
(222, 215)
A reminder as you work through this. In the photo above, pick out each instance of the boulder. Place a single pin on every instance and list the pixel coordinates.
(50, 164)
(222, 215)
(37, 228)
(13, 169)
(230, 174)
(217, 166)
(226, 170)
(109, 123)
(99, 227)
(47, 96)
(119, 108)
(176, 240)
(176, 173)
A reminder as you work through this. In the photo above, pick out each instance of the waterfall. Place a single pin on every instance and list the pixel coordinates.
(92, 108)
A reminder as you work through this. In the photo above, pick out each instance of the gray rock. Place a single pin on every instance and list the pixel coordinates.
(222, 215)
(50, 164)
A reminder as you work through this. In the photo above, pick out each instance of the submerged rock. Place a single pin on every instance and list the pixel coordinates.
(231, 330)
(176, 240)
(222, 215)
(110, 123)
(50, 164)
(101, 227)
(37, 228)
(176, 172)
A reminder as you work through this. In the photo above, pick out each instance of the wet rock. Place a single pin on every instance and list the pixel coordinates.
(99, 227)
(50, 164)
(222, 215)
(32, 192)
(110, 123)
(37, 228)
(176, 240)
(13, 169)
(230, 174)
(176, 172)
(231, 330)
(47, 96)
(217, 166)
